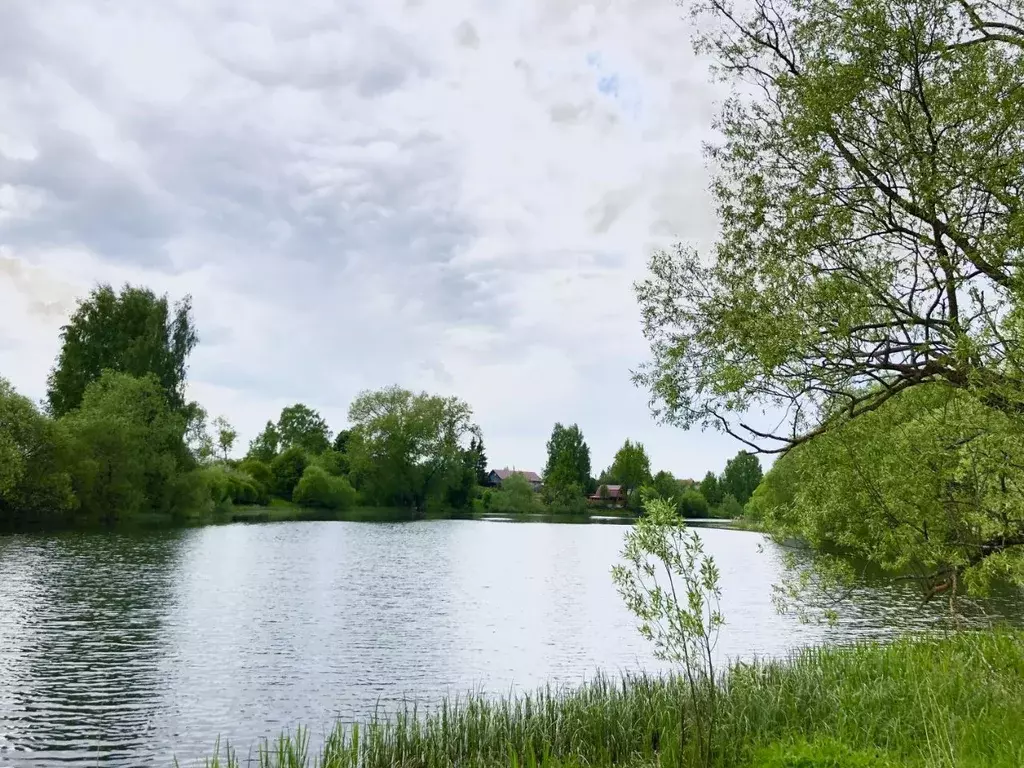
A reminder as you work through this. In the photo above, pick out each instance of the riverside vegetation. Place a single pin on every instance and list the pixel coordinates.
(865, 289)
(118, 443)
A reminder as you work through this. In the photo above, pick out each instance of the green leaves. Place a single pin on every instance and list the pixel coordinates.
(405, 448)
(868, 188)
(567, 472)
(131, 332)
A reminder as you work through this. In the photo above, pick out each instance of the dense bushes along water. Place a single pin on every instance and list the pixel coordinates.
(924, 703)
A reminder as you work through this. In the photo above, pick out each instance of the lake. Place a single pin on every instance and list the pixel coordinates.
(127, 650)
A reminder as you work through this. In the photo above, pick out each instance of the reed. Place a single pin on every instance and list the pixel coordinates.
(927, 703)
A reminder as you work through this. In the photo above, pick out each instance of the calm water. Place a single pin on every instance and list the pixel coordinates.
(128, 650)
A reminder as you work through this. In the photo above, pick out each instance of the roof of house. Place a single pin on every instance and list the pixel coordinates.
(505, 474)
(613, 491)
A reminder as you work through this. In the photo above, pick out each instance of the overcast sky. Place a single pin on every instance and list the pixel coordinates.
(455, 197)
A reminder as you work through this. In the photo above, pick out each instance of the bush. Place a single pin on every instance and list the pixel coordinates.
(729, 508)
(515, 495)
(821, 753)
(332, 462)
(693, 504)
(287, 469)
(226, 486)
(260, 472)
(316, 488)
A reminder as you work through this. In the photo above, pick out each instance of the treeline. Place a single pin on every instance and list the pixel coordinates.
(569, 486)
(116, 441)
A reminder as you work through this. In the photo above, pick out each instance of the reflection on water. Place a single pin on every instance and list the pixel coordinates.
(121, 650)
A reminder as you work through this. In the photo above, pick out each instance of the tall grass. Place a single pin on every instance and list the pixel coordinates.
(932, 703)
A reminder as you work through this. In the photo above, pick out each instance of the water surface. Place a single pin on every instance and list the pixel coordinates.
(126, 650)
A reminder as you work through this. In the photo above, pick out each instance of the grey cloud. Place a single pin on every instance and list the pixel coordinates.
(466, 35)
(89, 202)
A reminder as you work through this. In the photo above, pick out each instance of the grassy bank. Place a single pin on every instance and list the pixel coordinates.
(936, 703)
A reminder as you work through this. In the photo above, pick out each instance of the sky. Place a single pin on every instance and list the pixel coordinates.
(454, 197)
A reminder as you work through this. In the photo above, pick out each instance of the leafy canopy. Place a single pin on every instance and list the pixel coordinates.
(568, 463)
(132, 332)
(299, 426)
(407, 449)
(631, 467)
(868, 181)
(928, 486)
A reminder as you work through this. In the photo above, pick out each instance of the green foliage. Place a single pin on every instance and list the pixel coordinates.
(225, 436)
(516, 495)
(35, 487)
(666, 486)
(928, 486)
(228, 486)
(693, 504)
(265, 445)
(332, 462)
(129, 451)
(568, 463)
(260, 473)
(301, 427)
(922, 704)
(730, 508)
(672, 588)
(867, 182)
(711, 489)
(287, 469)
(406, 449)
(821, 753)
(565, 499)
(476, 447)
(742, 475)
(631, 467)
(317, 488)
(131, 332)
(341, 441)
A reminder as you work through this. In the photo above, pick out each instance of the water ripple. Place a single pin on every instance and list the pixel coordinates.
(120, 650)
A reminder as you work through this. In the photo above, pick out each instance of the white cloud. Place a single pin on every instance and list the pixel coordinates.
(450, 196)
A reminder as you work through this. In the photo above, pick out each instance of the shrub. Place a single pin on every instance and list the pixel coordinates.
(260, 472)
(287, 469)
(316, 488)
(332, 462)
(693, 504)
(729, 508)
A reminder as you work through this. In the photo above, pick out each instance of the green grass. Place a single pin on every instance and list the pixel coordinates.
(924, 703)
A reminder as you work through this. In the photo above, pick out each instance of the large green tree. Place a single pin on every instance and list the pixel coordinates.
(632, 466)
(35, 487)
(568, 465)
(130, 456)
(299, 426)
(741, 476)
(265, 446)
(133, 332)
(868, 178)
(928, 486)
(408, 449)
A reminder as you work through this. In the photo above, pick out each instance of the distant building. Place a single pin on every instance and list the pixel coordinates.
(616, 494)
(497, 476)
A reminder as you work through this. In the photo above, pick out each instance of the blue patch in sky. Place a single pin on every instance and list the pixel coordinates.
(609, 85)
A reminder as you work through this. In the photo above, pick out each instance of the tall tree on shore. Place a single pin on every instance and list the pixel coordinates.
(631, 467)
(869, 195)
(408, 449)
(568, 464)
(299, 426)
(133, 332)
(266, 445)
(741, 476)
(225, 436)
(480, 461)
